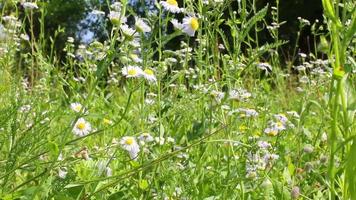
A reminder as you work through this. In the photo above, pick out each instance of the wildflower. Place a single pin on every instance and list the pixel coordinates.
(177, 24)
(103, 168)
(116, 6)
(130, 145)
(149, 75)
(271, 131)
(116, 18)
(190, 25)
(263, 144)
(281, 117)
(145, 137)
(239, 95)
(25, 108)
(62, 172)
(265, 67)
(248, 112)
(128, 32)
(81, 127)
(171, 6)
(76, 107)
(217, 95)
(25, 37)
(29, 5)
(135, 58)
(295, 193)
(132, 71)
(293, 114)
(141, 26)
(70, 39)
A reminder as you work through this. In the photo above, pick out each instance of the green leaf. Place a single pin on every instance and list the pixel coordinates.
(143, 184)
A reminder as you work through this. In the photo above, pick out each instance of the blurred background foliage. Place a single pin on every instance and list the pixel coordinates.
(74, 18)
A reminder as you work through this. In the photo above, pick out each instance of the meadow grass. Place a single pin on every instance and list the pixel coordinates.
(217, 117)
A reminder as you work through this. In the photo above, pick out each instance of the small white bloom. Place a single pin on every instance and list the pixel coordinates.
(116, 6)
(171, 6)
(135, 58)
(62, 172)
(146, 137)
(116, 18)
(271, 131)
(76, 107)
(141, 26)
(132, 71)
(176, 24)
(127, 31)
(149, 75)
(263, 144)
(130, 145)
(190, 25)
(81, 127)
(25, 37)
(29, 5)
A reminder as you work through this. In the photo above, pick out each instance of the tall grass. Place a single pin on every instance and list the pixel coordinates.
(215, 117)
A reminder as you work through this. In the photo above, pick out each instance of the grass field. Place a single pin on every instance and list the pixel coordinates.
(217, 117)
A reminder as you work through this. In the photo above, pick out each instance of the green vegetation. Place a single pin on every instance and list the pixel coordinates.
(221, 115)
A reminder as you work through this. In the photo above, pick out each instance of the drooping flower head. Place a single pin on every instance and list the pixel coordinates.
(129, 144)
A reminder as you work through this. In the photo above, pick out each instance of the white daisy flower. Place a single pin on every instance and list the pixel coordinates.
(25, 37)
(29, 5)
(116, 19)
(116, 6)
(130, 145)
(171, 6)
(149, 75)
(127, 31)
(81, 127)
(76, 107)
(146, 137)
(62, 172)
(135, 58)
(190, 25)
(141, 26)
(281, 117)
(132, 71)
(177, 24)
(271, 131)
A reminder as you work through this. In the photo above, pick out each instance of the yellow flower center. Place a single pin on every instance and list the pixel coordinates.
(129, 141)
(78, 108)
(132, 72)
(273, 133)
(194, 23)
(148, 71)
(242, 128)
(279, 124)
(172, 2)
(81, 125)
